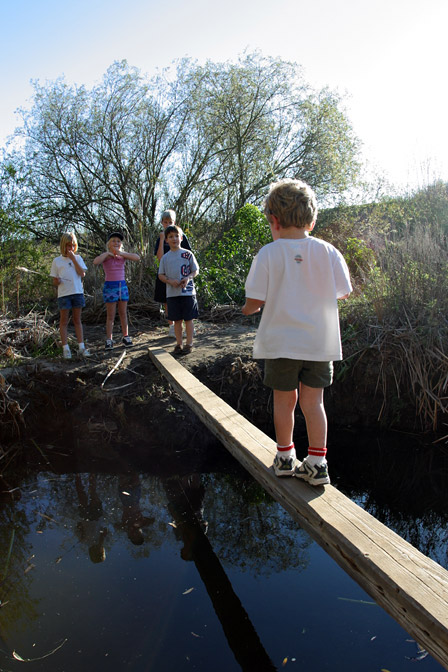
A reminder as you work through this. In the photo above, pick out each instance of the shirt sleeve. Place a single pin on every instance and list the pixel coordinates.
(54, 269)
(80, 261)
(161, 270)
(257, 280)
(341, 276)
(194, 266)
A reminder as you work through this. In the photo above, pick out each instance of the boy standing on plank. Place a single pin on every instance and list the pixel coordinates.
(298, 279)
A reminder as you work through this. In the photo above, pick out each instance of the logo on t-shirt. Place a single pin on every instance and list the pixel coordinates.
(298, 258)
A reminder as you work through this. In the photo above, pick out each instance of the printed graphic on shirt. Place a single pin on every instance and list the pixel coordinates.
(298, 258)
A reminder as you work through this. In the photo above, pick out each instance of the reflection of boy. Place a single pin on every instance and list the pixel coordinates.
(177, 269)
(89, 528)
(298, 279)
(133, 519)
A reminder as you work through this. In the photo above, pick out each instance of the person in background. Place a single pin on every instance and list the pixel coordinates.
(115, 289)
(67, 272)
(177, 269)
(298, 279)
(161, 247)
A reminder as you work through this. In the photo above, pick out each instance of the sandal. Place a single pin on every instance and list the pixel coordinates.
(188, 348)
(177, 350)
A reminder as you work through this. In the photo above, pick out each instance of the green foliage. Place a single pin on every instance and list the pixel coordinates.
(204, 140)
(359, 257)
(225, 264)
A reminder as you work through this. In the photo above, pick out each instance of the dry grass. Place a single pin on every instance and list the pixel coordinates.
(24, 337)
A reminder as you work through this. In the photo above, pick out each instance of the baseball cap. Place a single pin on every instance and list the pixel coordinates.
(116, 234)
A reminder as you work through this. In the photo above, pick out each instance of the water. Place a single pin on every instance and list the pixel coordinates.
(122, 569)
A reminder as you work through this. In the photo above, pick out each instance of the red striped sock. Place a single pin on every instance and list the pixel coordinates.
(283, 449)
(316, 456)
(318, 452)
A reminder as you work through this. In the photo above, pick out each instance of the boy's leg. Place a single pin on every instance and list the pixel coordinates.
(189, 331)
(284, 407)
(311, 400)
(178, 332)
(314, 467)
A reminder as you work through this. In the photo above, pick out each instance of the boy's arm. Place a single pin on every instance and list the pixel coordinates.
(168, 281)
(251, 306)
(159, 252)
(184, 282)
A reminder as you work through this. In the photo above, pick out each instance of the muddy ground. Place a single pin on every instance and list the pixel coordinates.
(110, 400)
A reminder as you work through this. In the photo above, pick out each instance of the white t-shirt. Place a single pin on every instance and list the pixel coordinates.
(64, 268)
(179, 264)
(300, 281)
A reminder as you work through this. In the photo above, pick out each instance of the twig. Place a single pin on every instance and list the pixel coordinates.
(114, 368)
(120, 387)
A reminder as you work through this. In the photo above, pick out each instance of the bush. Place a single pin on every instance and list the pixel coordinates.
(225, 264)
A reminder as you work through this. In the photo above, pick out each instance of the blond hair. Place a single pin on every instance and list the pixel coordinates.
(67, 238)
(293, 202)
(169, 214)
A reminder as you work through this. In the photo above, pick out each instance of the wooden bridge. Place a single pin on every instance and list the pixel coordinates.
(412, 588)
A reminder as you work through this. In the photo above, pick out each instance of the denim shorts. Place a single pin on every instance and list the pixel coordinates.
(115, 290)
(182, 308)
(285, 374)
(71, 301)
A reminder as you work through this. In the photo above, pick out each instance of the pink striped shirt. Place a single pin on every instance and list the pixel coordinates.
(114, 268)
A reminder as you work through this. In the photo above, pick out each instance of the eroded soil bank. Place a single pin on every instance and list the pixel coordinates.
(119, 398)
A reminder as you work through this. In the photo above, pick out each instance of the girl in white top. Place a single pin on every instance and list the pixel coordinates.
(67, 272)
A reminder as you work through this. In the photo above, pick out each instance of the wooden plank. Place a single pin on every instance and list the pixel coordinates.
(412, 588)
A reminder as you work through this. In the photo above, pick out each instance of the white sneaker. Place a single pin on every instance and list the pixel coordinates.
(171, 331)
(66, 353)
(84, 352)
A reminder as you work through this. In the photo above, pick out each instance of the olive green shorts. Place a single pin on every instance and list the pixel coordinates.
(285, 374)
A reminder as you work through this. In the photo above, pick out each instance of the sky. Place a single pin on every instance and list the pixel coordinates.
(388, 58)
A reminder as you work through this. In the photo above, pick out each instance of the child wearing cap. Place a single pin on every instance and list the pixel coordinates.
(115, 290)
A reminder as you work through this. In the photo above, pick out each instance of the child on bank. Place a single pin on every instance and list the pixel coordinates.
(298, 279)
(67, 272)
(115, 289)
(177, 269)
(161, 247)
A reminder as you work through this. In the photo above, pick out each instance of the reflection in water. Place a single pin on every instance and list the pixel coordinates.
(204, 571)
(90, 529)
(185, 498)
(132, 520)
(402, 483)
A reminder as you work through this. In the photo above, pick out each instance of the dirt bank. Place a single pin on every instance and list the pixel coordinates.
(119, 397)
